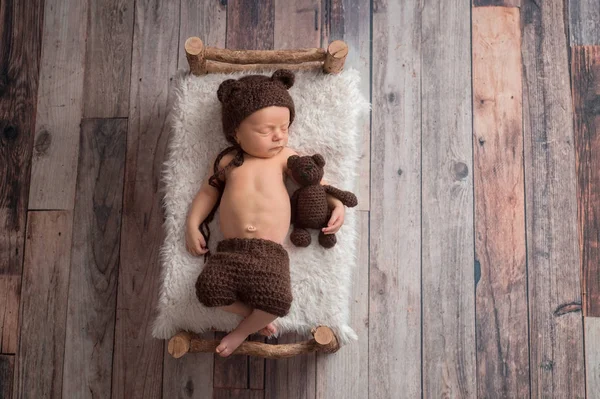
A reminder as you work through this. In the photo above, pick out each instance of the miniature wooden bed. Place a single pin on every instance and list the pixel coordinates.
(203, 60)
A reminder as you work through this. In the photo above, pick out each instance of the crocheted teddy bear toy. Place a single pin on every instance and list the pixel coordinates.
(309, 203)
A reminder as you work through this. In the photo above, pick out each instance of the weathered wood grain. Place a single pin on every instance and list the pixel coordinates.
(256, 365)
(20, 46)
(59, 105)
(448, 299)
(292, 378)
(95, 259)
(556, 330)
(10, 292)
(584, 22)
(395, 269)
(585, 75)
(190, 376)
(250, 25)
(231, 371)
(500, 252)
(497, 3)
(205, 19)
(138, 358)
(43, 312)
(297, 24)
(592, 354)
(224, 393)
(344, 374)
(108, 59)
(7, 366)
(350, 21)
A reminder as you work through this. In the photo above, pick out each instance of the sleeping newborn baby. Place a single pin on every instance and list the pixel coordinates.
(249, 273)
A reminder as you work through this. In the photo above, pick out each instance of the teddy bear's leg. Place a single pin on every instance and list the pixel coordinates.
(327, 240)
(300, 237)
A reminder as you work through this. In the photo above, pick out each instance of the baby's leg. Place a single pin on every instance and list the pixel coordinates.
(257, 320)
(238, 307)
(244, 310)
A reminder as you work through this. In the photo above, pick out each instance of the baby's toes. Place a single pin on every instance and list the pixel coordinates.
(222, 347)
(226, 352)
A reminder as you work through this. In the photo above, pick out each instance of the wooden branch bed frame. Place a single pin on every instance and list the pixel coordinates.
(203, 60)
(324, 341)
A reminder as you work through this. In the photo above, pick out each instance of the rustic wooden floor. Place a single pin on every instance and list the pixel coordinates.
(479, 197)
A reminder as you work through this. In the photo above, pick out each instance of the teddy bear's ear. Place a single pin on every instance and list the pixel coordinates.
(291, 160)
(285, 76)
(226, 88)
(319, 160)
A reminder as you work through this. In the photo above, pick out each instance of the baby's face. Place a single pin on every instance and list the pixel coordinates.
(264, 133)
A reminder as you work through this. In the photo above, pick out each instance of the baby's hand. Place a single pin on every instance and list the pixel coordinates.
(194, 242)
(336, 220)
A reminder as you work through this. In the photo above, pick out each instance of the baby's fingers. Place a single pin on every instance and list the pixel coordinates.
(201, 247)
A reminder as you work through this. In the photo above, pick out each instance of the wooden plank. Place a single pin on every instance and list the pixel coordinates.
(338, 375)
(584, 22)
(138, 358)
(10, 292)
(7, 366)
(94, 259)
(556, 342)
(345, 373)
(447, 226)
(191, 376)
(500, 252)
(292, 378)
(585, 75)
(250, 24)
(297, 24)
(59, 105)
(592, 354)
(43, 305)
(20, 40)
(350, 20)
(256, 365)
(395, 270)
(224, 393)
(205, 19)
(231, 371)
(497, 3)
(108, 59)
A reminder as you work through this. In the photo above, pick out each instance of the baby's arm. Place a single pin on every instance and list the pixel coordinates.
(203, 203)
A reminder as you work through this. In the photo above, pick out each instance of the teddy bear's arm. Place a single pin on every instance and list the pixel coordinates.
(346, 197)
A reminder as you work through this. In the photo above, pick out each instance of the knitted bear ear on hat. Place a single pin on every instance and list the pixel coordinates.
(285, 76)
(226, 88)
(319, 160)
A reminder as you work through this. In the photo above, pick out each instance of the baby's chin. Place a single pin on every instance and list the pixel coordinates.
(270, 153)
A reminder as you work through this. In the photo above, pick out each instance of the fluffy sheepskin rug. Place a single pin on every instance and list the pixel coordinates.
(328, 108)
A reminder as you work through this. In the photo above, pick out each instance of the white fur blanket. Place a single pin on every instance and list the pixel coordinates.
(327, 111)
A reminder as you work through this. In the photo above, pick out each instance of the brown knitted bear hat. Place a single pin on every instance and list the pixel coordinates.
(248, 94)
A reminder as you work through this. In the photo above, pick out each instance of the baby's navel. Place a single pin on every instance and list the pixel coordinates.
(250, 228)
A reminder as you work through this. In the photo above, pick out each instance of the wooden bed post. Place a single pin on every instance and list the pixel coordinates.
(194, 52)
(203, 59)
(324, 341)
(336, 57)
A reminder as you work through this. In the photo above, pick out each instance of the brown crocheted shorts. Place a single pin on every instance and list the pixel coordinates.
(251, 270)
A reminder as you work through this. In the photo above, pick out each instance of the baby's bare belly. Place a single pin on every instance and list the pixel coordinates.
(250, 212)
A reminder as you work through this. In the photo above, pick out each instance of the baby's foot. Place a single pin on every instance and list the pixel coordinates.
(268, 330)
(230, 342)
